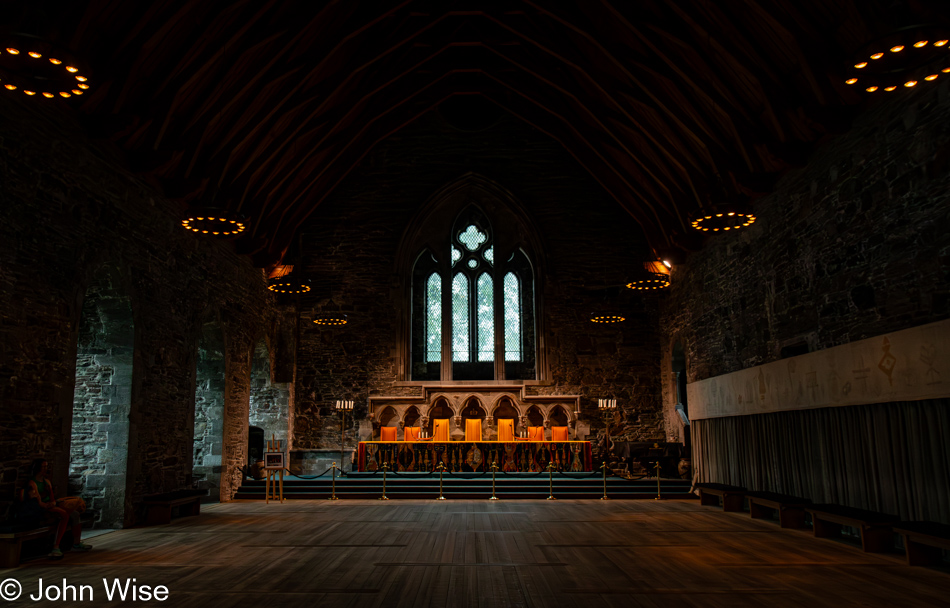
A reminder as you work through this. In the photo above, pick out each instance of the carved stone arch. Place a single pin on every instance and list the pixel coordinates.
(512, 230)
(434, 402)
(387, 415)
(464, 398)
(426, 229)
(497, 401)
(406, 419)
(477, 399)
(568, 415)
(540, 410)
(425, 255)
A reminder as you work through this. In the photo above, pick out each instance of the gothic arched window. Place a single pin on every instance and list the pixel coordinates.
(472, 314)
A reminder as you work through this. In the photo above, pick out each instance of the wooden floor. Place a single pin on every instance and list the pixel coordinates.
(476, 553)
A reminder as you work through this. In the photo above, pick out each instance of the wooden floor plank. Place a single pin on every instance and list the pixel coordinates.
(478, 553)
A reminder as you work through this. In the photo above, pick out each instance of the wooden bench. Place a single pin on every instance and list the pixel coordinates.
(791, 509)
(158, 507)
(923, 541)
(11, 543)
(732, 496)
(876, 529)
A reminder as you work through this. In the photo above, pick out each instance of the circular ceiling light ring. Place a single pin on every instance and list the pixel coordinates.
(288, 285)
(657, 281)
(219, 223)
(607, 317)
(724, 216)
(30, 63)
(900, 60)
(330, 319)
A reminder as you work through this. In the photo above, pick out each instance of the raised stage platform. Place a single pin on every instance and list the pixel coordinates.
(478, 486)
(475, 456)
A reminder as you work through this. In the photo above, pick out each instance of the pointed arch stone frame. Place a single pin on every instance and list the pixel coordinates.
(488, 396)
(426, 231)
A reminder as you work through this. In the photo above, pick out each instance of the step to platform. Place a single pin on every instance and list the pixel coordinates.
(512, 485)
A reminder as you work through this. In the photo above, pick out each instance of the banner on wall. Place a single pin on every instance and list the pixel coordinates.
(907, 365)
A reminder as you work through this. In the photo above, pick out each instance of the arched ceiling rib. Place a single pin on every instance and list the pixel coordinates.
(269, 105)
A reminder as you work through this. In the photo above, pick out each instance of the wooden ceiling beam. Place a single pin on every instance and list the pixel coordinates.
(320, 180)
(272, 104)
(300, 167)
(612, 102)
(653, 98)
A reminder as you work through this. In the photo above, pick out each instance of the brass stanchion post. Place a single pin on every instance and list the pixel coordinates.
(657, 467)
(604, 467)
(333, 485)
(385, 468)
(608, 408)
(551, 480)
(441, 468)
(494, 467)
(343, 406)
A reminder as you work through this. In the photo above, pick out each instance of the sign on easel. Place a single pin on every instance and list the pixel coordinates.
(275, 463)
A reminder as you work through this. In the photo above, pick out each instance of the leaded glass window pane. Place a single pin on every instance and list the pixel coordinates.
(512, 298)
(472, 238)
(472, 263)
(456, 255)
(460, 322)
(490, 254)
(434, 318)
(485, 319)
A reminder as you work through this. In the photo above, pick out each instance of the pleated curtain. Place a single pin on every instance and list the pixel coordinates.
(887, 457)
(506, 429)
(441, 430)
(473, 429)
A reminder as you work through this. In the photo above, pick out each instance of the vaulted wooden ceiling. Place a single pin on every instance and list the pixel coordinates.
(265, 106)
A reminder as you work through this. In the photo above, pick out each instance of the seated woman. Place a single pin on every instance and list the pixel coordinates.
(40, 488)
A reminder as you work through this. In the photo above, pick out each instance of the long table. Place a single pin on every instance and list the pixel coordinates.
(465, 456)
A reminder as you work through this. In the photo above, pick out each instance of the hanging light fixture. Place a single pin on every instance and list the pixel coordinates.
(288, 284)
(220, 223)
(725, 210)
(40, 69)
(655, 275)
(722, 217)
(904, 59)
(603, 316)
(282, 279)
(330, 318)
(330, 315)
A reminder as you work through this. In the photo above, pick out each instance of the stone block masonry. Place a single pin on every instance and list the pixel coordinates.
(209, 410)
(589, 248)
(69, 212)
(854, 245)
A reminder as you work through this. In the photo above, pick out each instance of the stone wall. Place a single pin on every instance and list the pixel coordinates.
(209, 410)
(350, 246)
(68, 209)
(853, 245)
(102, 401)
(269, 401)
